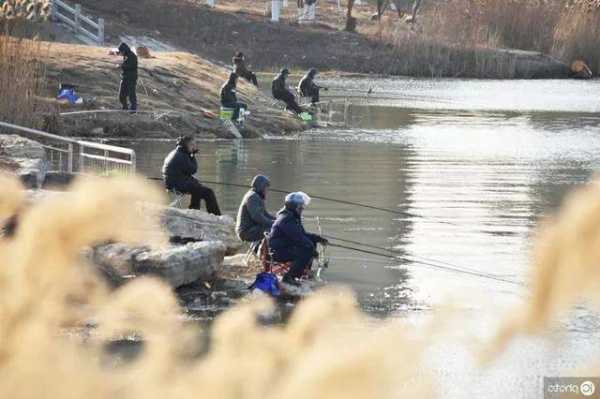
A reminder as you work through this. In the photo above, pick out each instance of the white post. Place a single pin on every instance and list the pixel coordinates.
(285, 3)
(275, 10)
(76, 17)
(101, 31)
(211, 3)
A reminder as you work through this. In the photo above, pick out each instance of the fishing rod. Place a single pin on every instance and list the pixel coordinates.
(428, 264)
(392, 251)
(345, 202)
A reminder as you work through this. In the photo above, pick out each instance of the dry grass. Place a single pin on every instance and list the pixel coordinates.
(328, 349)
(22, 81)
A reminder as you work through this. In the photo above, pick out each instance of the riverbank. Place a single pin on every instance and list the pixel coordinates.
(392, 48)
(178, 94)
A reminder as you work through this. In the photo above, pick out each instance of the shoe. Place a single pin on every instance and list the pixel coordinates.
(290, 281)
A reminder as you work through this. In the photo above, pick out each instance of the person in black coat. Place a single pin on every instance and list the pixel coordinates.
(288, 241)
(282, 93)
(229, 96)
(129, 76)
(178, 170)
(240, 69)
(308, 88)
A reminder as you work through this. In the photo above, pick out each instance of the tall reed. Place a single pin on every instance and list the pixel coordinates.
(22, 81)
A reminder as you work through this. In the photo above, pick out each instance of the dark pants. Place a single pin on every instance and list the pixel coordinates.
(128, 91)
(301, 258)
(313, 94)
(198, 193)
(253, 234)
(236, 107)
(290, 102)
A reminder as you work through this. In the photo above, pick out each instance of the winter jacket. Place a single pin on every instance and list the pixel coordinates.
(178, 169)
(279, 87)
(288, 233)
(228, 94)
(253, 212)
(307, 86)
(130, 63)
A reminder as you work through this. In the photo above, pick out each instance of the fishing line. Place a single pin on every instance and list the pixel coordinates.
(329, 199)
(392, 251)
(428, 264)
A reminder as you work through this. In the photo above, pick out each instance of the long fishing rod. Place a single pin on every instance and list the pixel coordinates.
(392, 251)
(440, 267)
(345, 202)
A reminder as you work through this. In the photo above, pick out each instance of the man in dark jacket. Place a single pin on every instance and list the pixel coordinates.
(253, 219)
(239, 67)
(308, 88)
(178, 170)
(129, 77)
(288, 241)
(281, 92)
(229, 96)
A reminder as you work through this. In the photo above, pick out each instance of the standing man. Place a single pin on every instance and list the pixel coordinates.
(178, 170)
(253, 219)
(129, 77)
(281, 92)
(240, 69)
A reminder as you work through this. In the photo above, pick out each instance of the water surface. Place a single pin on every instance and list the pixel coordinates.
(471, 166)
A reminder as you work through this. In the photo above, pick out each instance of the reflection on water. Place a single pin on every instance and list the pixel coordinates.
(473, 164)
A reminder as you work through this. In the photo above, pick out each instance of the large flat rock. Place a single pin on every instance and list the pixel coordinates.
(177, 265)
(24, 157)
(193, 225)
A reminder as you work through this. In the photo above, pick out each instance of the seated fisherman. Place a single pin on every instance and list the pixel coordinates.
(289, 241)
(240, 69)
(253, 219)
(229, 97)
(281, 92)
(178, 170)
(308, 88)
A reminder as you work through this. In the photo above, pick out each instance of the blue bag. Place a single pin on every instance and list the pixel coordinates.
(267, 283)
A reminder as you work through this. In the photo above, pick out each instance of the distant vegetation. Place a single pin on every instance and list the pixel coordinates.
(567, 29)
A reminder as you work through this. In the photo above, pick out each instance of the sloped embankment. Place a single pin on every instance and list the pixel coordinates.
(174, 81)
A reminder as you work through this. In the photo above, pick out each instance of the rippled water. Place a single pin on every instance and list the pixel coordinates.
(474, 164)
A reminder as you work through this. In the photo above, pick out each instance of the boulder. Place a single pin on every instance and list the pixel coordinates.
(185, 225)
(177, 265)
(24, 157)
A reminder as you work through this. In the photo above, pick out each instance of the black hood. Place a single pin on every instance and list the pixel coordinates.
(124, 49)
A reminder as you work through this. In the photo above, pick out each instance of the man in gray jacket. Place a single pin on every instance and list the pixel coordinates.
(253, 220)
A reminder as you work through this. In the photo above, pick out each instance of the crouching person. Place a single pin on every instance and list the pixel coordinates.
(229, 97)
(289, 241)
(178, 172)
(253, 219)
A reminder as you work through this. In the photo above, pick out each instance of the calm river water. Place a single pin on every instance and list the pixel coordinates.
(474, 164)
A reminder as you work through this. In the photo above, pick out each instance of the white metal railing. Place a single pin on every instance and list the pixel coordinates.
(90, 157)
(105, 159)
(79, 23)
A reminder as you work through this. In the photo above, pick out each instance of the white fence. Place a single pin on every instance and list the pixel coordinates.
(72, 17)
(79, 156)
